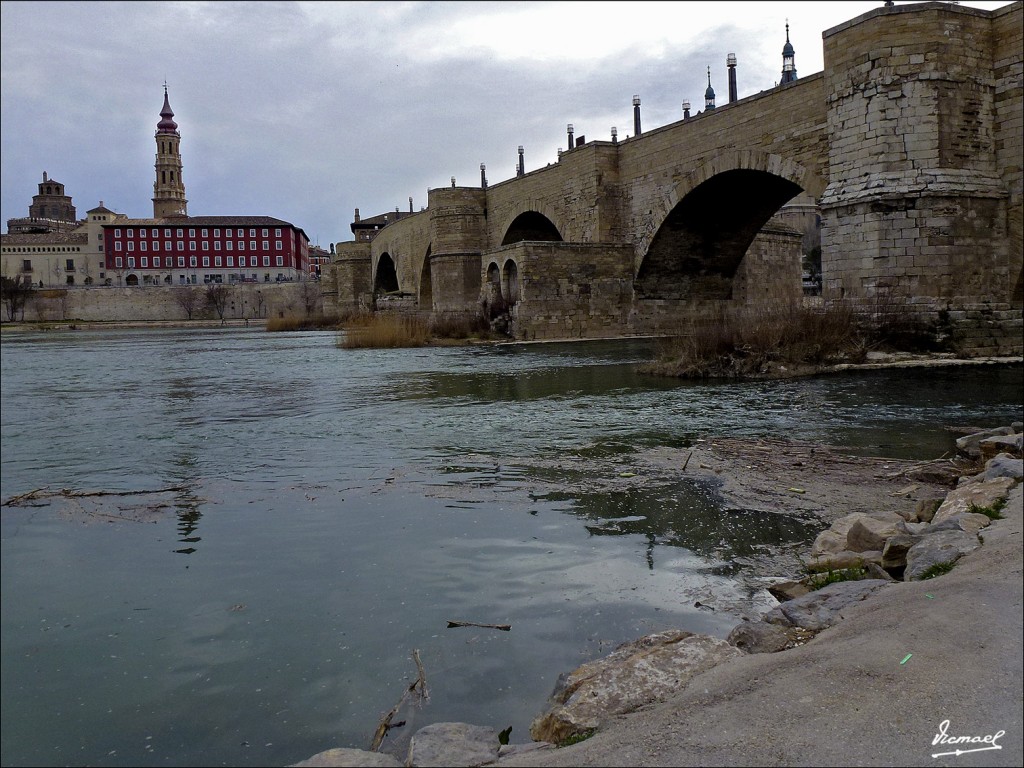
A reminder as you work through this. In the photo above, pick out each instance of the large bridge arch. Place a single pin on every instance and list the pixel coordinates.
(532, 221)
(385, 278)
(706, 223)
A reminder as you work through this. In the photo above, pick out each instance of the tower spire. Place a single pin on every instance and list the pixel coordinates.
(169, 188)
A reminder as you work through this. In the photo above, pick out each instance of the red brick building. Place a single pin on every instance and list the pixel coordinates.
(179, 250)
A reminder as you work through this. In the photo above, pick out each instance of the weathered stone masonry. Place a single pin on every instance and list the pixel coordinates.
(909, 143)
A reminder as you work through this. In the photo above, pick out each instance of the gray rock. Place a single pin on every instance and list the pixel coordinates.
(635, 674)
(1003, 465)
(992, 446)
(877, 572)
(983, 494)
(821, 608)
(842, 560)
(971, 522)
(758, 637)
(969, 445)
(870, 534)
(938, 549)
(894, 554)
(506, 750)
(926, 509)
(787, 590)
(834, 538)
(445, 744)
(342, 757)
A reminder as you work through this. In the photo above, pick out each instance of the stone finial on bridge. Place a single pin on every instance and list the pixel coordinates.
(709, 94)
(636, 115)
(730, 62)
(788, 60)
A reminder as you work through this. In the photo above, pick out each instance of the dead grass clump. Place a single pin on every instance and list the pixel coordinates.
(450, 325)
(302, 323)
(759, 341)
(382, 331)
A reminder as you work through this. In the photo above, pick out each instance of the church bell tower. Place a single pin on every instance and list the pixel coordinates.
(169, 188)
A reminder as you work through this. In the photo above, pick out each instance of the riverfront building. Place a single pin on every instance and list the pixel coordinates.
(174, 248)
(51, 248)
(209, 249)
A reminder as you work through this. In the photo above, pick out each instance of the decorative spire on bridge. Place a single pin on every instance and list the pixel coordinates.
(709, 94)
(788, 59)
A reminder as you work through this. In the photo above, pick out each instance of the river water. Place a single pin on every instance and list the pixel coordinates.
(286, 521)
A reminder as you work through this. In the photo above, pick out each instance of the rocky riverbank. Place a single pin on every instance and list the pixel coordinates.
(843, 652)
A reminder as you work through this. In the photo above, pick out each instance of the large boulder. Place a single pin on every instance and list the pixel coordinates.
(444, 744)
(984, 494)
(993, 446)
(970, 445)
(942, 548)
(821, 608)
(869, 534)
(343, 757)
(635, 674)
(758, 637)
(841, 561)
(894, 554)
(1003, 465)
(835, 538)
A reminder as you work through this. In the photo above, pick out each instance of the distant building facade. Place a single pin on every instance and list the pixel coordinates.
(51, 248)
(181, 250)
(61, 256)
(51, 211)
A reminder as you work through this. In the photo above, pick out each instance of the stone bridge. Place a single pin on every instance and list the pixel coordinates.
(903, 156)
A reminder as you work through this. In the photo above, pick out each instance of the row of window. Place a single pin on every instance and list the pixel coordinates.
(228, 246)
(192, 232)
(36, 249)
(193, 261)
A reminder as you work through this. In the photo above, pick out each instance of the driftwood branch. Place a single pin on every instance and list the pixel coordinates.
(68, 493)
(385, 724)
(502, 627)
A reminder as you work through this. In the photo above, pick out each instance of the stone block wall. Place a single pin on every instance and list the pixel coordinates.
(914, 197)
(257, 301)
(569, 290)
(1008, 74)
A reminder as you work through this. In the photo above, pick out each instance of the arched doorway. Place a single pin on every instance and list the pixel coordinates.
(132, 279)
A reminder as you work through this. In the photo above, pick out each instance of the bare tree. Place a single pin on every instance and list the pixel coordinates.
(310, 293)
(187, 298)
(15, 293)
(217, 297)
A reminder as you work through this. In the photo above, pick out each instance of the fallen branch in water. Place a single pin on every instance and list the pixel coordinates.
(385, 724)
(502, 627)
(45, 493)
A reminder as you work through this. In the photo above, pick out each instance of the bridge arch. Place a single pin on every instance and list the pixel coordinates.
(385, 279)
(532, 222)
(698, 234)
(426, 295)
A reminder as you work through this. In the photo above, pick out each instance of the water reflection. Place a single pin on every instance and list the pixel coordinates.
(684, 515)
(186, 503)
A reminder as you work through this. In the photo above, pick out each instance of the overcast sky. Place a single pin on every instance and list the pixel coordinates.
(306, 111)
